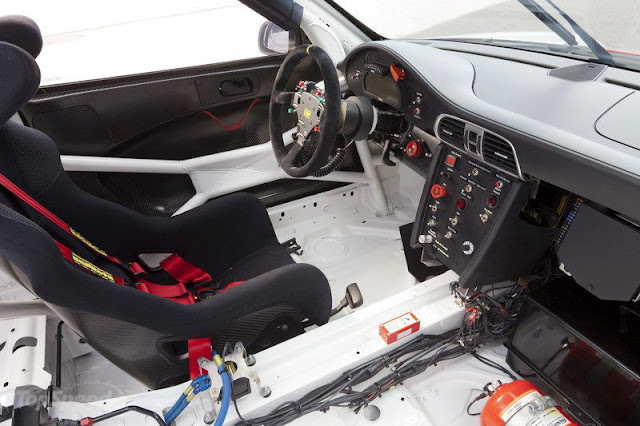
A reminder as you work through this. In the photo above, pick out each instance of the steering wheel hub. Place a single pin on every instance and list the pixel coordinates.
(309, 108)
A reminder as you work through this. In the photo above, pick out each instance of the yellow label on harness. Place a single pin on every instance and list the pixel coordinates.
(87, 242)
(307, 112)
(92, 268)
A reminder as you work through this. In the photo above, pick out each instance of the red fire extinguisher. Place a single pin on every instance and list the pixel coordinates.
(520, 403)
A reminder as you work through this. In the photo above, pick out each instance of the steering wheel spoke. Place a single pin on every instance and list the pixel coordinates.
(294, 152)
(284, 98)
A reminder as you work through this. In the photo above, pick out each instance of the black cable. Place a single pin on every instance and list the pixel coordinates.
(494, 365)
(235, 402)
(333, 164)
(59, 355)
(487, 318)
(476, 399)
(135, 408)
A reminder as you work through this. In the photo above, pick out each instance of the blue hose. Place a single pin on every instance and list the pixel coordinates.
(197, 385)
(226, 395)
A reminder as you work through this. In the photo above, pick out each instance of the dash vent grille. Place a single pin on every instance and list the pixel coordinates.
(499, 153)
(451, 131)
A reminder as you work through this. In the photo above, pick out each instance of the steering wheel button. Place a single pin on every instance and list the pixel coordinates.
(492, 201)
(461, 204)
(438, 191)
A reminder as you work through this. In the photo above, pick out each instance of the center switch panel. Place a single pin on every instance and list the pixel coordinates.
(468, 220)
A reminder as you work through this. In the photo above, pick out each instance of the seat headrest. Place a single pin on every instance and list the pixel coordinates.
(19, 79)
(21, 31)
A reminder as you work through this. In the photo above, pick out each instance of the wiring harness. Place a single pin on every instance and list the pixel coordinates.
(487, 317)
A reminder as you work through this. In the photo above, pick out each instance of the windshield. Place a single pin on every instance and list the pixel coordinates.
(613, 25)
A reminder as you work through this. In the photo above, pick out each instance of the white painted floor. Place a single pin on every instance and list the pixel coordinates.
(437, 397)
(345, 240)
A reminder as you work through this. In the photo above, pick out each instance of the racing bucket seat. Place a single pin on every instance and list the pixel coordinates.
(228, 278)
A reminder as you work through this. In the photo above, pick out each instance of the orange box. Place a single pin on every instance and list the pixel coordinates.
(399, 327)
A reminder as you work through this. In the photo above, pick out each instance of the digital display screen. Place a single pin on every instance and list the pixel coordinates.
(383, 87)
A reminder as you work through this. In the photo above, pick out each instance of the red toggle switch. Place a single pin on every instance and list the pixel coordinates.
(438, 191)
(413, 149)
(397, 73)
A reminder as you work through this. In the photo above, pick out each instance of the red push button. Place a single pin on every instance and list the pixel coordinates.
(450, 160)
(413, 149)
(492, 201)
(461, 204)
(438, 191)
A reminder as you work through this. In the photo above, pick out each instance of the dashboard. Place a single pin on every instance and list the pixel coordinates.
(509, 142)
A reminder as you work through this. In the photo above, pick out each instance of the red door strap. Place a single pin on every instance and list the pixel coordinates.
(238, 123)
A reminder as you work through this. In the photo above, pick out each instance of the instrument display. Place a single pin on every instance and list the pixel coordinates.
(382, 87)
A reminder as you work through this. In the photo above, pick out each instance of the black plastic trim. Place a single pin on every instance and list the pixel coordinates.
(286, 14)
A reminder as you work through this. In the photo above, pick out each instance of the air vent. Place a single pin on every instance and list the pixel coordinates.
(499, 153)
(451, 130)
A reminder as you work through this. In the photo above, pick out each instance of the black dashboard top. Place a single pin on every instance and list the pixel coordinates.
(573, 134)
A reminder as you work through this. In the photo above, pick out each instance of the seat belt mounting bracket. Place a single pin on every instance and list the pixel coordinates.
(293, 247)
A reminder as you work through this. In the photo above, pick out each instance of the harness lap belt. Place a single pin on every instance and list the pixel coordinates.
(178, 268)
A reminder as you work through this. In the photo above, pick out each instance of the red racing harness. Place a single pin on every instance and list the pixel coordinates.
(179, 269)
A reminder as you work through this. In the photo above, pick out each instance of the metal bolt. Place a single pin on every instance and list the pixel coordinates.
(265, 391)
(210, 416)
(250, 360)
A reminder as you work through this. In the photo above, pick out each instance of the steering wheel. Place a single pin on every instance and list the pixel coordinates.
(318, 114)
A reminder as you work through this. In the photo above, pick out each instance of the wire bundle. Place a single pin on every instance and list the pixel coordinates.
(486, 318)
